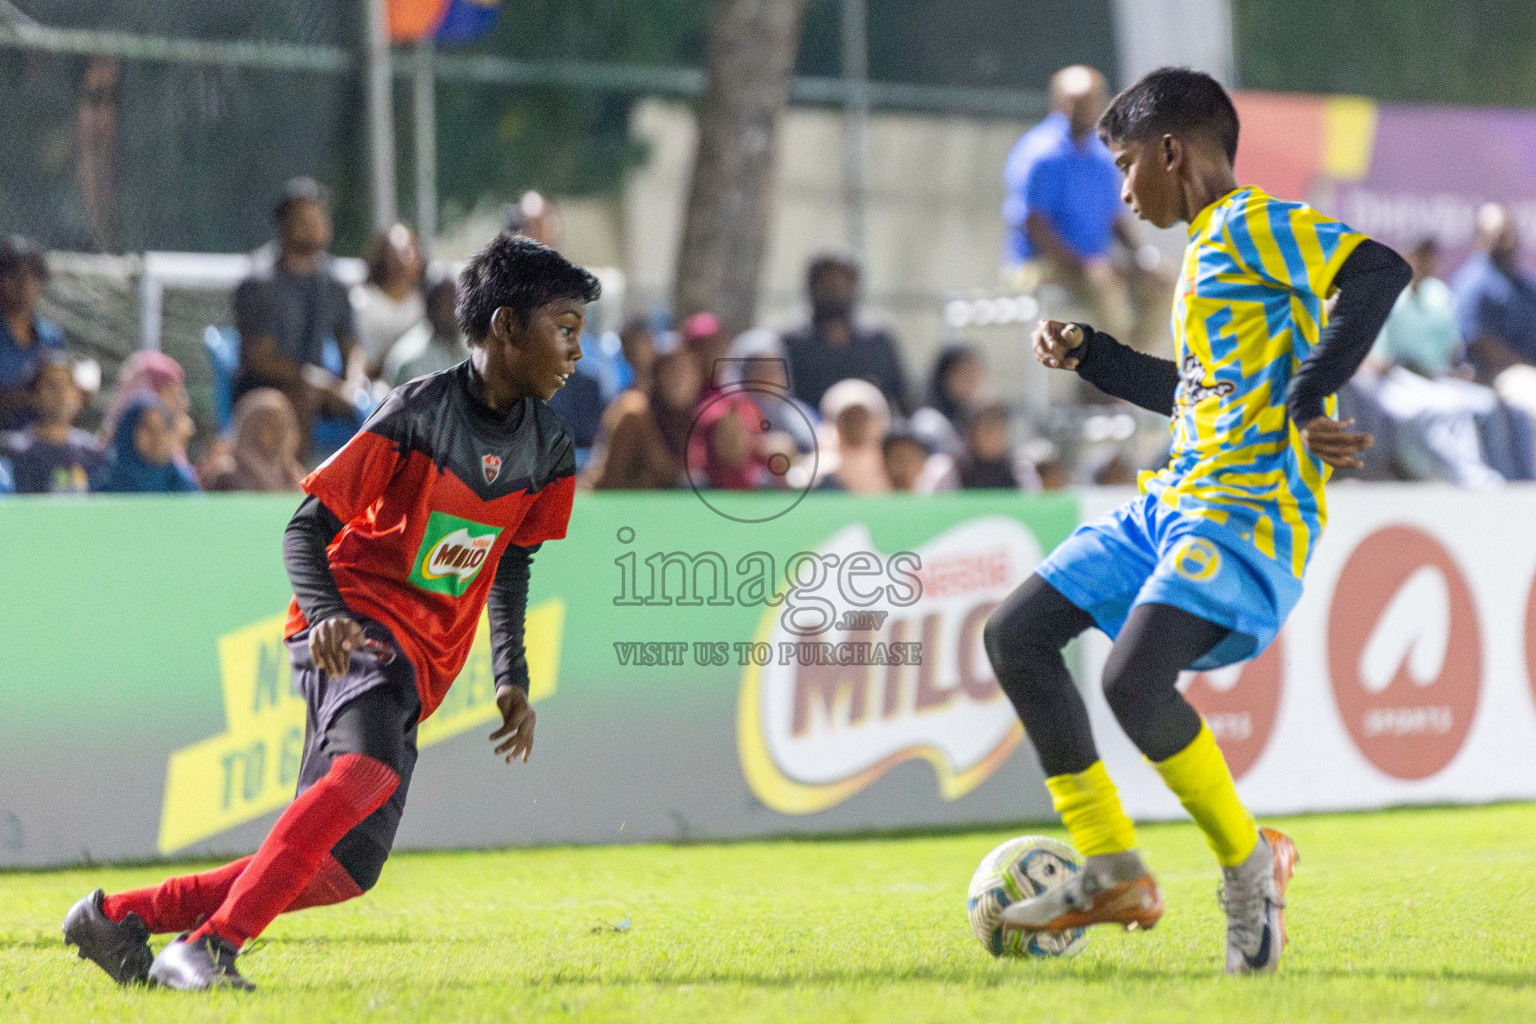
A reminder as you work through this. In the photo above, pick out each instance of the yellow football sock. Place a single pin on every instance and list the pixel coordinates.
(1090, 809)
(1199, 777)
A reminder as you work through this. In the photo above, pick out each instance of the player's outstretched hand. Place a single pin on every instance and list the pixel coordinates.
(517, 717)
(1332, 441)
(1055, 342)
(332, 642)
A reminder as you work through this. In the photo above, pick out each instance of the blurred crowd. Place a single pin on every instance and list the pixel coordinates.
(823, 403)
(826, 402)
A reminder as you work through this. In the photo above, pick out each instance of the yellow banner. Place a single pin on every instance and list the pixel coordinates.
(251, 768)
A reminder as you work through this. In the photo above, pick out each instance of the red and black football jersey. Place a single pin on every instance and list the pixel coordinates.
(431, 491)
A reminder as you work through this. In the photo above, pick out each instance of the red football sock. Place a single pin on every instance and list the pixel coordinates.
(330, 885)
(177, 904)
(299, 844)
(182, 903)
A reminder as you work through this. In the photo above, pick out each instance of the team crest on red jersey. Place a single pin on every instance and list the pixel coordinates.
(490, 465)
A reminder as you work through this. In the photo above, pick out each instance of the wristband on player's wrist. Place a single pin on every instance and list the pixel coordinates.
(323, 615)
(1081, 351)
(513, 683)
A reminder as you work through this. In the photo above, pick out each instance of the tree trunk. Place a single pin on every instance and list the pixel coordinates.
(751, 53)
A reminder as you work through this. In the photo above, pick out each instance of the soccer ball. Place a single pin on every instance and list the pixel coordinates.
(1021, 867)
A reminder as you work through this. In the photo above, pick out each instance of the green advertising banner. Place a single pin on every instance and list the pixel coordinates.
(696, 675)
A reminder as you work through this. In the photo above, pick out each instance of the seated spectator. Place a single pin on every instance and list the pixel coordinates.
(905, 458)
(644, 435)
(703, 337)
(24, 335)
(1063, 214)
(852, 458)
(157, 373)
(637, 344)
(956, 384)
(142, 454)
(1413, 379)
(1111, 468)
(725, 447)
(955, 388)
(988, 462)
(389, 303)
(433, 345)
(51, 456)
(580, 405)
(1049, 467)
(834, 345)
(288, 310)
(264, 455)
(757, 363)
(1421, 333)
(729, 446)
(1496, 302)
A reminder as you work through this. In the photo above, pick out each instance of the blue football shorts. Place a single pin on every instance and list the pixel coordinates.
(1146, 552)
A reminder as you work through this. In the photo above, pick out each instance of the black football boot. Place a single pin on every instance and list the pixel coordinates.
(119, 948)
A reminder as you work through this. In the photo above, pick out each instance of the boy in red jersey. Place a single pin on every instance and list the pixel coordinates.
(428, 515)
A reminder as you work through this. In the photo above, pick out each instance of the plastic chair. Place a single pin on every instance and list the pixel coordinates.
(223, 347)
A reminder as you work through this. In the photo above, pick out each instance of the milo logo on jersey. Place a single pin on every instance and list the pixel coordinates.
(452, 552)
(830, 713)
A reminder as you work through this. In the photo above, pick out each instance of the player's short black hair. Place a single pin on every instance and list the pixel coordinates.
(521, 274)
(19, 254)
(1172, 101)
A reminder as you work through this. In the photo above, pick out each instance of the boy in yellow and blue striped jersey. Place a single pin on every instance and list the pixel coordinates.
(1202, 569)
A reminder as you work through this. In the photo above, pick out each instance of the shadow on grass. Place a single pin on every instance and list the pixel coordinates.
(976, 976)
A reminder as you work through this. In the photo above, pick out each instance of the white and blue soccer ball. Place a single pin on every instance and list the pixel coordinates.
(1017, 869)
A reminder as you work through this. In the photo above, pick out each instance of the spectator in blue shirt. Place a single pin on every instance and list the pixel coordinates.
(24, 335)
(1063, 214)
(1496, 303)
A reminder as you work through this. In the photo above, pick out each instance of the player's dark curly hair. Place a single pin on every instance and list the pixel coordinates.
(1172, 101)
(521, 274)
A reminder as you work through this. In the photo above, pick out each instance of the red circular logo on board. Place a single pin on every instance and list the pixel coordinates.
(1405, 652)
(1240, 704)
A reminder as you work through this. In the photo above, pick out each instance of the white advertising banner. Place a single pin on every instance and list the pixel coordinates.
(1404, 675)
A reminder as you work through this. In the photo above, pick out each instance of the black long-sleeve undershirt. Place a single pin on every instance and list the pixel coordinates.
(1369, 281)
(313, 528)
(309, 533)
(1121, 371)
(508, 607)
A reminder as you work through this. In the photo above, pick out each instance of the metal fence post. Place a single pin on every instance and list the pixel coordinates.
(381, 114)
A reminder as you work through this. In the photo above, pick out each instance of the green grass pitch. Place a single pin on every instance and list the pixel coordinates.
(1403, 916)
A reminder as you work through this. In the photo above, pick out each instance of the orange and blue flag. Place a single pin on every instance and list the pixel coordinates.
(467, 20)
(446, 22)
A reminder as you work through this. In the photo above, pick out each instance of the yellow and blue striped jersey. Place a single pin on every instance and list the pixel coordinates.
(1249, 309)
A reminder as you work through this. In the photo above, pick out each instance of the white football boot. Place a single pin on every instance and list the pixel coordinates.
(1253, 896)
